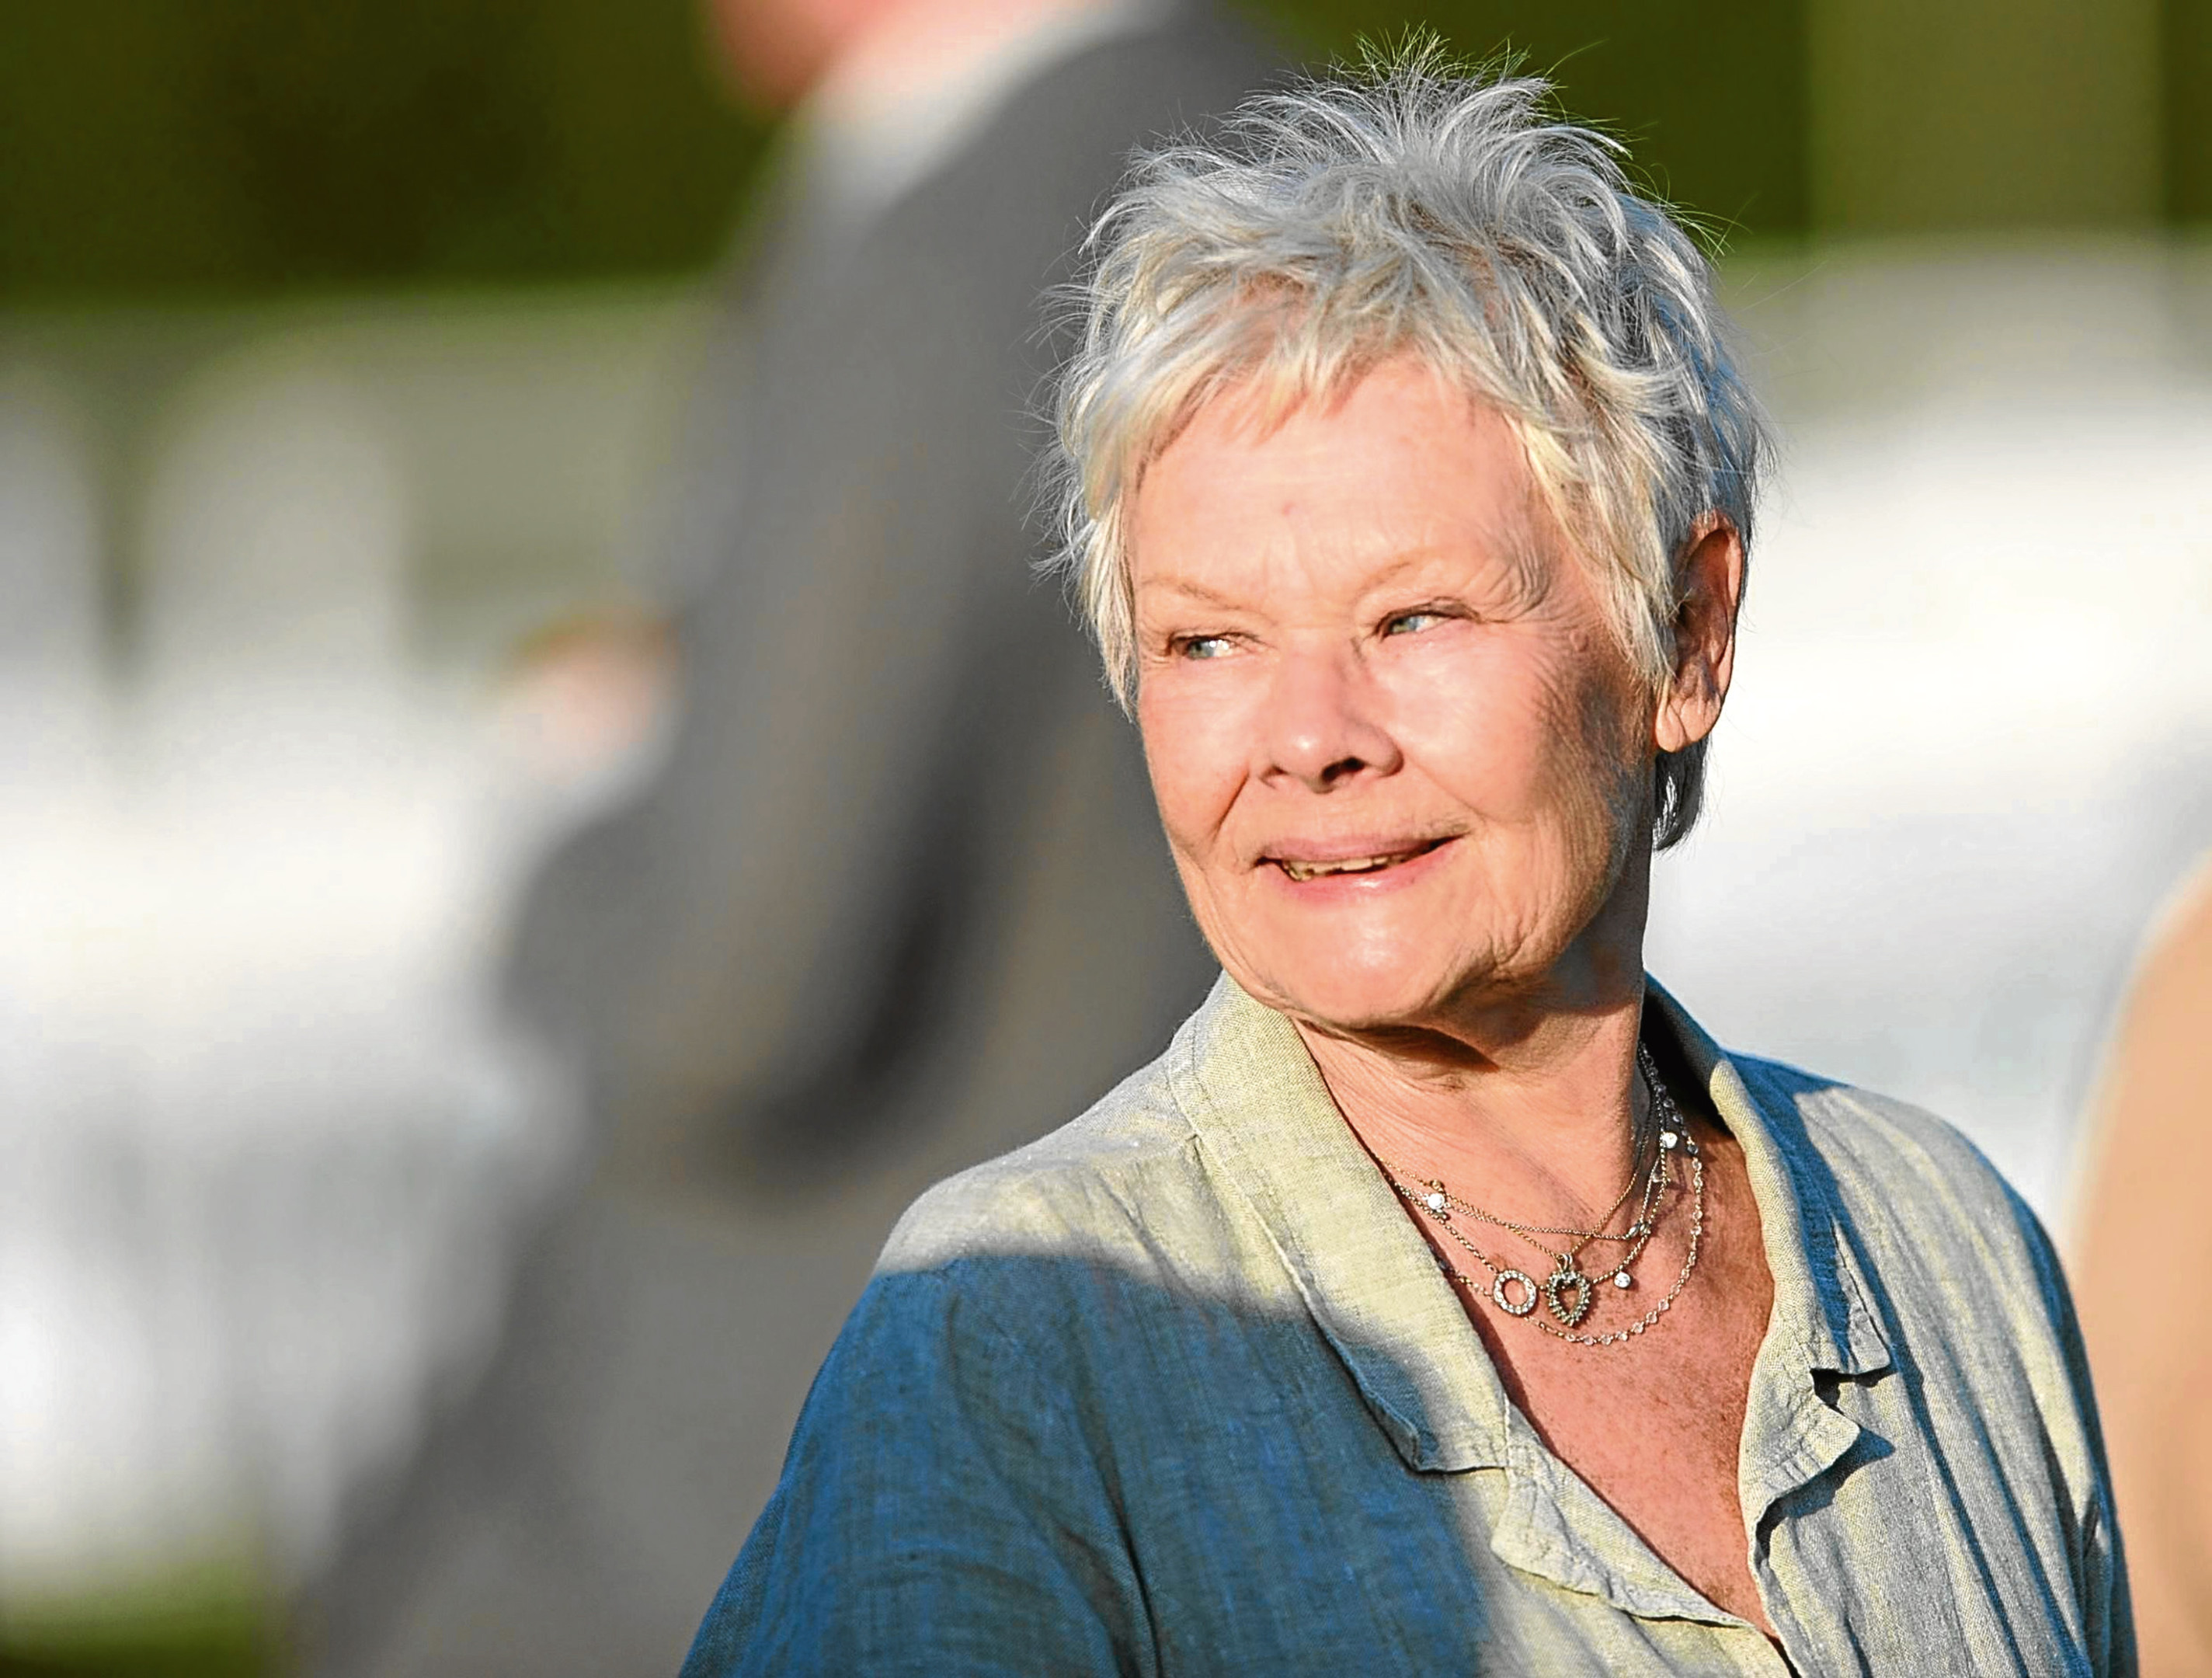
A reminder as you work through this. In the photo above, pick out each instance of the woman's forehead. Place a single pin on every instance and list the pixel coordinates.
(1400, 470)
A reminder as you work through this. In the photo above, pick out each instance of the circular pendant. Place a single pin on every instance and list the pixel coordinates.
(1556, 1285)
(1526, 1304)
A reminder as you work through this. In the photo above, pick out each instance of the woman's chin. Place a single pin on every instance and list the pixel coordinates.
(1361, 987)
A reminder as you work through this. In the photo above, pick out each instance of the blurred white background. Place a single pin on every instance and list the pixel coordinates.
(1970, 747)
(264, 1146)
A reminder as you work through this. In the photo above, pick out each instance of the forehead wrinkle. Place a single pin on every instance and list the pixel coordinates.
(1519, 549)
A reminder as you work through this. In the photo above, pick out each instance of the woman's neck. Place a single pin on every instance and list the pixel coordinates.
(1534, 1117)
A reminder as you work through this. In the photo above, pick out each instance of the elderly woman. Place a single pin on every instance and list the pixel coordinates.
(1444, 1299)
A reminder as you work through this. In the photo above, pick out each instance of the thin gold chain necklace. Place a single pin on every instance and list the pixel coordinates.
(1441, 1202)
(1568, 1292)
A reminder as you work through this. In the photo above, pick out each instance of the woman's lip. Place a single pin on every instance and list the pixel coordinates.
(1312, 864)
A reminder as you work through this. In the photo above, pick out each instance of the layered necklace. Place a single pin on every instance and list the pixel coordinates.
(1570, 1292)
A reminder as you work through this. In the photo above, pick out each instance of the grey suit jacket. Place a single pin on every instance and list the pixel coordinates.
(901, 868)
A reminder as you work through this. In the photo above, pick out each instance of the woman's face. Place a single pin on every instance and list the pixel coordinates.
(1403, 762)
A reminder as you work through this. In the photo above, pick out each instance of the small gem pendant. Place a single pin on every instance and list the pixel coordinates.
(1511, 1304)
(1556, 1285)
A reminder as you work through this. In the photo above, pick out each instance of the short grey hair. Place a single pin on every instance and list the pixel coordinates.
(1406, 209)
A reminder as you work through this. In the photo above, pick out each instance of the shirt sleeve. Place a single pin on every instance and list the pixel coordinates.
(2107, 1621)
(2100, 1573)
(941, 1511)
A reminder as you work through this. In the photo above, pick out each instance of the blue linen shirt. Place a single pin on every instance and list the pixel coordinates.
(1179, 1390)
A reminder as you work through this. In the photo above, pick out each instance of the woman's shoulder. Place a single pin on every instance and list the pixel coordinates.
(1895, 1137)
(1902, 1178)
(1102, 1185)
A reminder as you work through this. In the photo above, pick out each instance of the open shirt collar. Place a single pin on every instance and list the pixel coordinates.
(1269, 1127)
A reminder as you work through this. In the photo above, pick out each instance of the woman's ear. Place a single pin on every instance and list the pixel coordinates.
(1705, 634)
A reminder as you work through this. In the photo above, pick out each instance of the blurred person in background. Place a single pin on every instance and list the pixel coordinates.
(2144, 1269)
(894, 894)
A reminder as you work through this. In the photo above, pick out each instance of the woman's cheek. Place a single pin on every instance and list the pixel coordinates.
(1467, 720)
(1187, 724)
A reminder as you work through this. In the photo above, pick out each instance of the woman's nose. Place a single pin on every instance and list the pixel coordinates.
(1324, 726)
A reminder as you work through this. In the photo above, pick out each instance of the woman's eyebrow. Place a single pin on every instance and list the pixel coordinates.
(1513, 550)
(1191, 589)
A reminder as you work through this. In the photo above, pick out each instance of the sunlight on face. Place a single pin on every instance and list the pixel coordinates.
(1403, 762)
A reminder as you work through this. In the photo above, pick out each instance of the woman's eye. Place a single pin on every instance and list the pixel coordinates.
(1201, 647)
(1411, 622)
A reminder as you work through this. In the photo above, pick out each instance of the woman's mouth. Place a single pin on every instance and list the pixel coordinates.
(1305, 868)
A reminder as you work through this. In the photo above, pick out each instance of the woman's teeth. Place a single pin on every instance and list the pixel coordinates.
(1350, 865)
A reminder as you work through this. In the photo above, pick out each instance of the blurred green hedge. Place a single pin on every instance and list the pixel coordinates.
(150, 148)
(227, 145)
